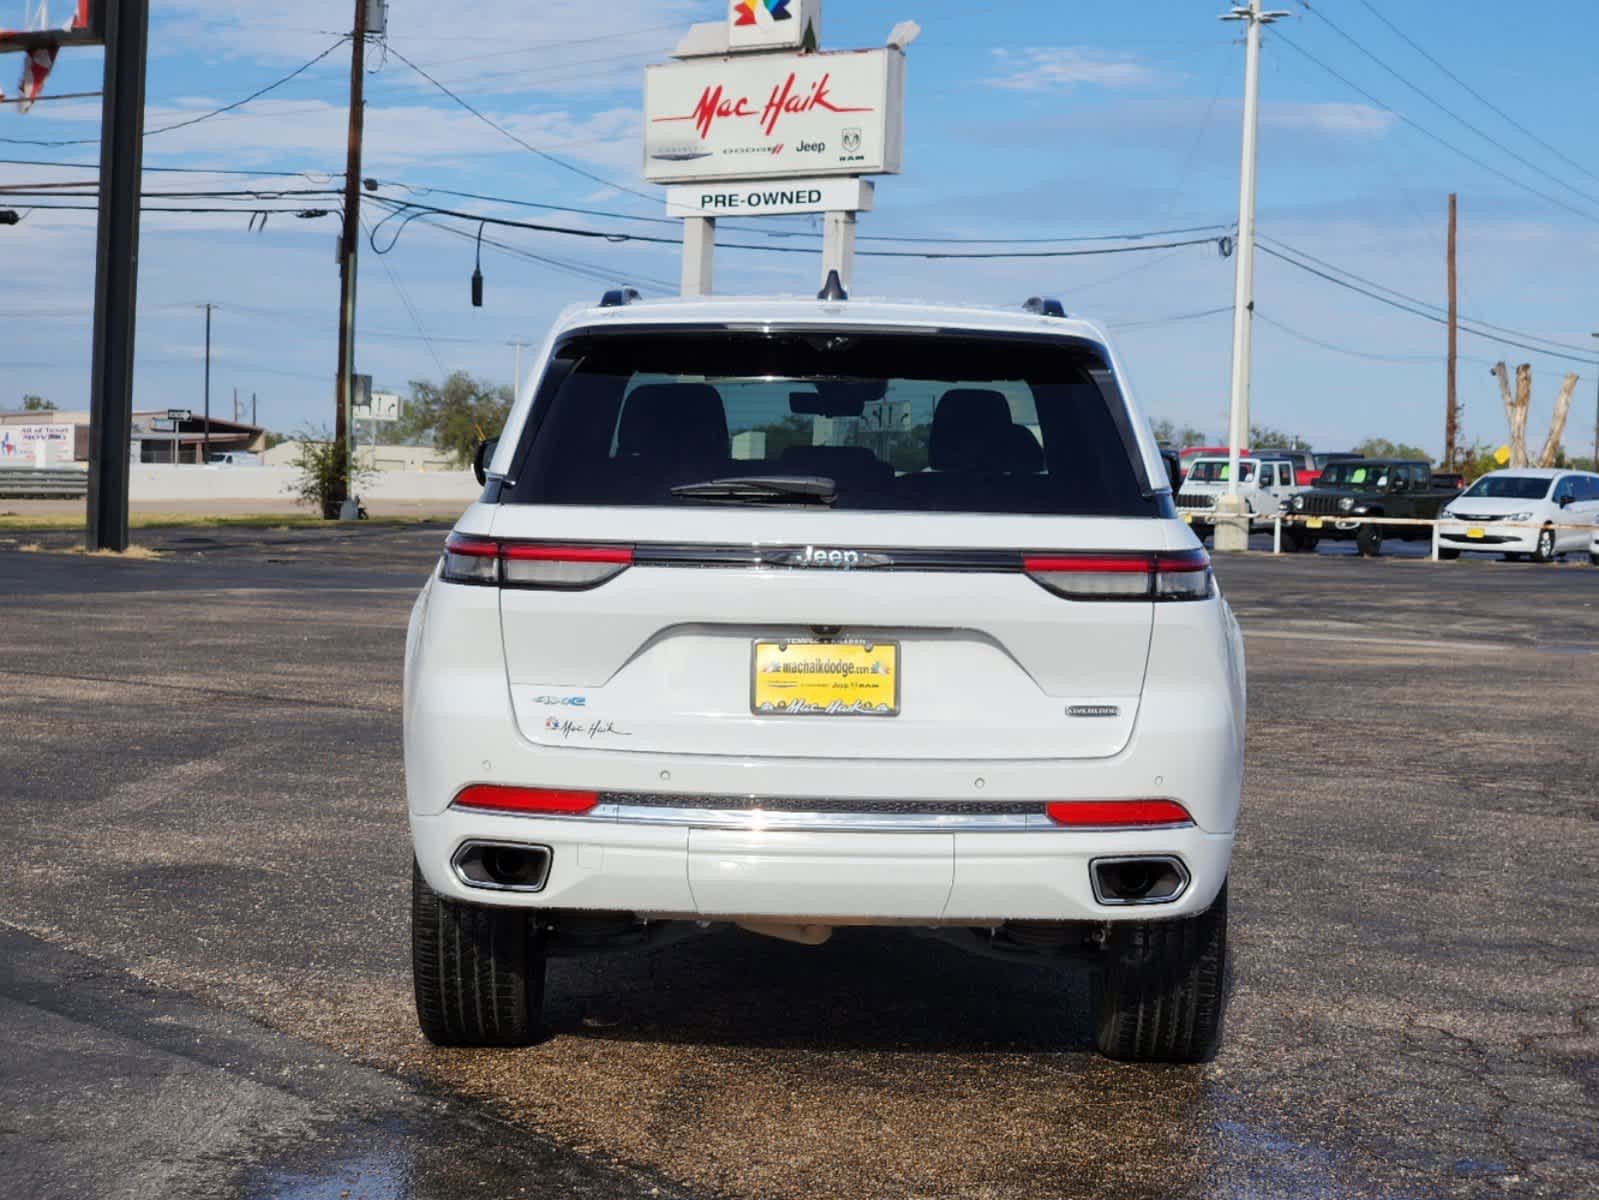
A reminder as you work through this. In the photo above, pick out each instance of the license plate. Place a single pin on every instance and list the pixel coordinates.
(1313, 523)
(825, 679)
(1188, 518)
(1476, 531)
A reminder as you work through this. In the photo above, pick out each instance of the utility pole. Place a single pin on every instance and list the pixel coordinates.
(1234, 534)
(252, 411)
(1596, 426)
(1452, 412)
(205, 434)
(516, 379)
(116, 274)
(349, 240)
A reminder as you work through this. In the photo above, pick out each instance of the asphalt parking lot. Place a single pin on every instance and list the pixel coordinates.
(204, 975)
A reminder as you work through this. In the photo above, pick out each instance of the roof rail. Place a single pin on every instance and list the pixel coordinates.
(619, 297)
(833, 289)
(1045, 306)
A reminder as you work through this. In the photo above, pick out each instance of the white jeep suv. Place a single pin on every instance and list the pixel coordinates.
(801, 614)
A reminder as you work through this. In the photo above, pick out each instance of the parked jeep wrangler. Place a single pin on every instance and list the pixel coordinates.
(1376, 487)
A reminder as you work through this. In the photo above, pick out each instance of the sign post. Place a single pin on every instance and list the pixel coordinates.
(753, 120)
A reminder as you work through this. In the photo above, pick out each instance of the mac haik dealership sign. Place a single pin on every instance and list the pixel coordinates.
(767, 116)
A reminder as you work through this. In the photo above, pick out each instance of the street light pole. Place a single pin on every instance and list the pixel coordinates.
(1234, 535)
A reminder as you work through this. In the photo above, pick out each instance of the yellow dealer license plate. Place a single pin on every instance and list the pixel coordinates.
(1313, 523)
(1188, 518)
(825, 679)
(1476, 531)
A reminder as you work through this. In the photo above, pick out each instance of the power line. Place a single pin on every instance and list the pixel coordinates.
(526, 145)
(1487, 103)
(1336, 349)
(1440, 105)
(1422, 129)
(411, 211)
(1425, 315)
(195, 120)
(90, 166)
(1438, 308)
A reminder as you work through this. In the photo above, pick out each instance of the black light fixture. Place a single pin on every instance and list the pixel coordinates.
(9, 216)
(477, 271)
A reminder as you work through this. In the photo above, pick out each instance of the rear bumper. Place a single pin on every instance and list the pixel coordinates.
(958, 878)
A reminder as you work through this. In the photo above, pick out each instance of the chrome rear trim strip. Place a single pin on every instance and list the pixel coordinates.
(753, 820)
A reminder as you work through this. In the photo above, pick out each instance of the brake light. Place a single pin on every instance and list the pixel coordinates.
(489, 797)
(1117, 814)
(487, 561)
(1175, 575)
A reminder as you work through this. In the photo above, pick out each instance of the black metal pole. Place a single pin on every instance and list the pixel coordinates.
(205, 434)
(116, 276)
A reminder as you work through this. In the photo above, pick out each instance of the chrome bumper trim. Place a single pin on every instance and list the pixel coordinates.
(757, 820)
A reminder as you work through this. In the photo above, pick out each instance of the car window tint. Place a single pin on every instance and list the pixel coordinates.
(899, 422)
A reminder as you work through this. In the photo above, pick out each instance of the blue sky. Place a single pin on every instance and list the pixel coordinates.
(1022, 121)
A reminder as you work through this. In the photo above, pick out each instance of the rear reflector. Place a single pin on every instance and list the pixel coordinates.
(531, 564)
(494, 798)
(1177, 575)
(1117, 814)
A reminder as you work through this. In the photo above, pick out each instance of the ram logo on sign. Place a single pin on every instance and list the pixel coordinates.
(770, 116)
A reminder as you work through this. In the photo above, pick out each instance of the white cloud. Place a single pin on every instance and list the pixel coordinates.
(1050, 68)
(1340, 119)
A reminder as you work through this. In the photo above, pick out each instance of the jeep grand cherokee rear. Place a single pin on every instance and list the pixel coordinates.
(797, 615)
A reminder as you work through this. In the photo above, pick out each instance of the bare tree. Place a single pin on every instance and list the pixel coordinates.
(1557, 423)
(1516, 407)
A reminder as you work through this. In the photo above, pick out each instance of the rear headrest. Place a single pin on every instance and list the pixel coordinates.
(673, 420)
(971, 431)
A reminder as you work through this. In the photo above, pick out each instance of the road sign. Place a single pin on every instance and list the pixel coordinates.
(769, 198)
(385, 406)
(179, 414)
(767, 116)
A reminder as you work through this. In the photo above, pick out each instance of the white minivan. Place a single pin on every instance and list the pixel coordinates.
(1541, 512)
(797, 614)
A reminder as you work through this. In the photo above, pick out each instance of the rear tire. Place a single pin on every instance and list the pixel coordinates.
(479, 972)
(1447, 555)
(1368, 540)
(1160, 995)
(1593, 558)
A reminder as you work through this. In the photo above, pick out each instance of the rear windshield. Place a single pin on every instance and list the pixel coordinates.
(886, 421)
(1509, 487)
(1215, 471)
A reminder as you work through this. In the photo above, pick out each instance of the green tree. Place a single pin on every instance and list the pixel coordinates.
(1383, 448)
(456, 416)
(1264, 437)
(318, 465)
(32, 403)
(1168, 434)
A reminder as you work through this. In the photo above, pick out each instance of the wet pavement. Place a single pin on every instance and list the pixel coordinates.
(204, 984)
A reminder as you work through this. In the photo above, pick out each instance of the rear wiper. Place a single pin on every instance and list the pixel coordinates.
(762, 489)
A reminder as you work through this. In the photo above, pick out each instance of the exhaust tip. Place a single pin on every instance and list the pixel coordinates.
(502, 866)
(1144, 879)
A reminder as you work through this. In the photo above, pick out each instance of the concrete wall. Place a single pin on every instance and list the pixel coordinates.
(382, 458)
(157, 483)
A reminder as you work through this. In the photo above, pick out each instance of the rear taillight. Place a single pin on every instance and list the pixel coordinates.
(487, 797)
(1117, 814)
(1176, 575)
(531, 564)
